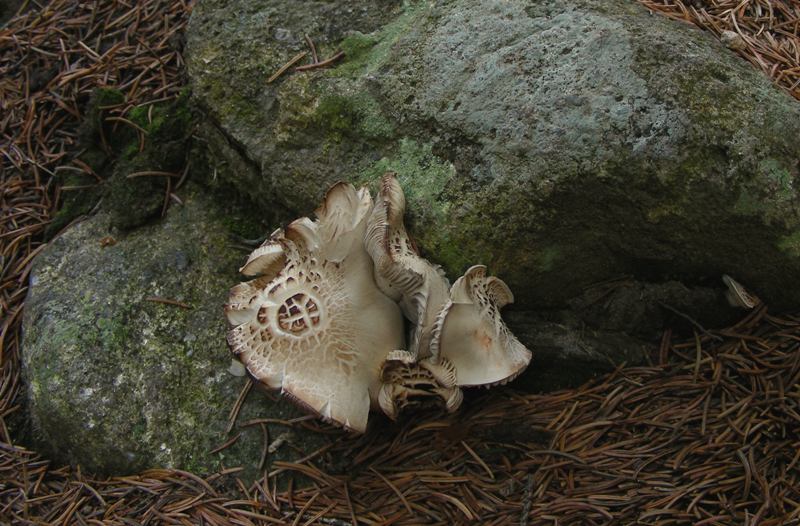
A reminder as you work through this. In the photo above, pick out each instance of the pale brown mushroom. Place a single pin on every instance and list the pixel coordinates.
(323, 318)
(313, 323)
(470, 333)
(458, 337)
(419, 286)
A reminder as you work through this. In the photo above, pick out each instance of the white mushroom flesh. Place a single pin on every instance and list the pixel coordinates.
(318, 328)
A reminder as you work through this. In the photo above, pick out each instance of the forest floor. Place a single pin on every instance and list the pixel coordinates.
(709, 433)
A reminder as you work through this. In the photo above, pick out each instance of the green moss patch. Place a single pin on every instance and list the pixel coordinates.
(366, 53)
(356, 116)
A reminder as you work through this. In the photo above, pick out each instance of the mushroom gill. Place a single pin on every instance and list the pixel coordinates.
(407, 382)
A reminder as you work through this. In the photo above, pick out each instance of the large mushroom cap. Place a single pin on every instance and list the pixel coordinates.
(470, 333)
(314, 324)
(419, 286)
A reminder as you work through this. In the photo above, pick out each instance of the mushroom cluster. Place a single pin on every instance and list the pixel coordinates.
(324, 317)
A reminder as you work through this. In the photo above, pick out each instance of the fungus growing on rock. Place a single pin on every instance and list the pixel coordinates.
(418, 285)
(322, 320)
(313, 324)
(470, 333)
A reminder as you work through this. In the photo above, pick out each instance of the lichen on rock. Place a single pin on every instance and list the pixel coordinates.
(587, 139)
(118, 383)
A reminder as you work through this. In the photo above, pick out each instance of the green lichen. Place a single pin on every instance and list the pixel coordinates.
(162, 148)
(770, 196)
(365, 54)
(328, 112)
(425, 178)
(92, 125)
(243, 227)
(297, 101)
(108, 97)
(164, 120)
(779, 179)
(115, 150)
(357, 45)
(142, 116)
(336, 113)
(237, 71)
(422, 174)
(662, 211)
(748, 204)
(79, 195)
(97, 140)
(373, 124)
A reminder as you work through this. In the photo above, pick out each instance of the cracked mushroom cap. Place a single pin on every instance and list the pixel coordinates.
(407, 381)
(419, 286)
(313, 323)
(470, 333)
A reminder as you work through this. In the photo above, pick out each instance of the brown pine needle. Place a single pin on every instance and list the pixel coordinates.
(151, 173)
(478, 459)
(394, 488)
(313, 48)
(286, 66)
(322, 64)
(237, 406)
(305, 507)
(228, 443)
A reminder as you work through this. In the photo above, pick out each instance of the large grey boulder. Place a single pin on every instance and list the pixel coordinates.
(117, 383)
(562, 143)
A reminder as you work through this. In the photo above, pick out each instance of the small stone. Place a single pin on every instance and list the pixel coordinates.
(733, 40)
(282, 35)
(237, 368)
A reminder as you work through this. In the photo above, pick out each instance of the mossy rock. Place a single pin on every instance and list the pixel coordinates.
(118, 383)
(561, 143)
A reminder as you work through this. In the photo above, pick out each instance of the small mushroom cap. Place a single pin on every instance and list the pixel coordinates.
(470, 333)
(737, 295)
(410, 382)
(266, 260)
(419, 286)
(315, 325)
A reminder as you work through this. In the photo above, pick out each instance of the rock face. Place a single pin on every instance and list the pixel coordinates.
(117, 383)
(561, 143)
